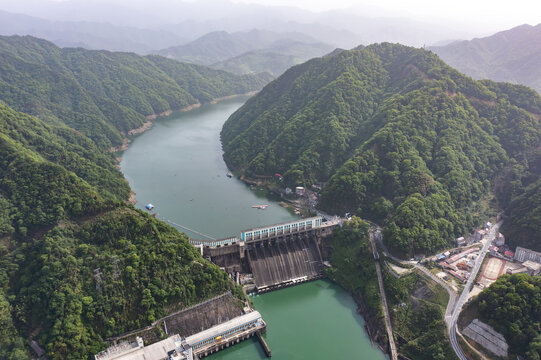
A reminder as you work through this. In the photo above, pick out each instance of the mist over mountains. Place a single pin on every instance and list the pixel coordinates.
(90, 35)
(252, 51)
(513, 56)
(189, 20)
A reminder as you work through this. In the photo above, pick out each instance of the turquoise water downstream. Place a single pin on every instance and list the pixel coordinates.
(178, 167)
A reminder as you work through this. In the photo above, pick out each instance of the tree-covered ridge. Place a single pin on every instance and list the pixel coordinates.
(105, 94)
(51, 172)
(77, 265)
(400, 137)
(117, 272)
(523, 223)
(512, 305)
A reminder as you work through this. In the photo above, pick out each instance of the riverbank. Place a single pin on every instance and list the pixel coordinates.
(147, 125)
(373, 326)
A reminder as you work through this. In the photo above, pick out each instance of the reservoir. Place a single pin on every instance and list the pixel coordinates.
(178, 167)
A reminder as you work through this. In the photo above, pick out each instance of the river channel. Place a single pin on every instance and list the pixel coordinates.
(178, 167)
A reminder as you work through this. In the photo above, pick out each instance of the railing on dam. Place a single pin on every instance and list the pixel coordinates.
(291, 227)
(214, 243)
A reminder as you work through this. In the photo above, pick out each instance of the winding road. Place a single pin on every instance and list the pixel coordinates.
(453, 306)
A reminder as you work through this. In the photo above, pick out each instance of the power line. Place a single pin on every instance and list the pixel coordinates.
(187, 228)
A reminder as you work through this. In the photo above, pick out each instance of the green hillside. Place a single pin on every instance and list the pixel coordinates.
(512, 305)
(400, 138)
(78, 265)
(105, 94)
(62, 216)
(523, 223)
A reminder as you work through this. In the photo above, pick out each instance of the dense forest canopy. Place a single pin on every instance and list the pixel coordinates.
(105, 94)
(77, 264)
(512, 305)
(400, 138)
(63, 220)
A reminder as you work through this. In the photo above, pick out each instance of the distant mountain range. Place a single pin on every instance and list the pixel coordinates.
(275, 59)
(89, 35)
(513, 55)
(344, 28)
(249, 52)
(244, 52)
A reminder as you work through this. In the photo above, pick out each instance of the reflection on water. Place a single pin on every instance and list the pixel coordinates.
(178, 167)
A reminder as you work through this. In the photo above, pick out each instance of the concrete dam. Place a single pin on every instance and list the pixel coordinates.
(276, 255)
(268, 257)
(281, 262)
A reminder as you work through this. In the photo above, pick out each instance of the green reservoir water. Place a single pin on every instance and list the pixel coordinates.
(178, 167)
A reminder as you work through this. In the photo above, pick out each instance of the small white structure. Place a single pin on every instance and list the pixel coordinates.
(172, 348)
(500, 240)
(460, 241)
(299, 190)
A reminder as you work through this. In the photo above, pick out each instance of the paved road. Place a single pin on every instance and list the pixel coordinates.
(465, 293)
(452, 294)
(454, 306)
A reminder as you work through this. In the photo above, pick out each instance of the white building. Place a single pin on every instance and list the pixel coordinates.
(172, 348)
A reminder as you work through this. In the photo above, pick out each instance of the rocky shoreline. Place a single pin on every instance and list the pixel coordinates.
(374, 327)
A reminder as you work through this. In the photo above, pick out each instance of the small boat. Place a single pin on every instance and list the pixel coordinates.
(229, 174)
(149, 207)
(260, 207)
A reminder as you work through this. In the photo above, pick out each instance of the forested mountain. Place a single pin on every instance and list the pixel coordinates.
(276, 59)
(104, 94)
(89, 35)
(252, 51)
(523, 223)
(513, 55)
(400, 137)
(78, 265)
(512, 305)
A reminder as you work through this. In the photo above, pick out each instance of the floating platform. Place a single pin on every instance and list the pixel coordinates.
(260, 207)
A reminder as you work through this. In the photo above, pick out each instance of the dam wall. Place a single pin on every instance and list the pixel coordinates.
(284, 262)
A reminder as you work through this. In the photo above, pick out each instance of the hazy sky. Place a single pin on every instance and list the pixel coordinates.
(491, 12)
(454, 19)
